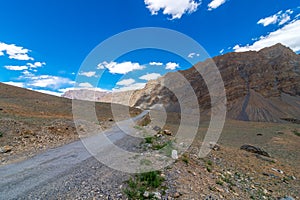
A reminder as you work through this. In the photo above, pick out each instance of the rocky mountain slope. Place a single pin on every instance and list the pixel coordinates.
(260, 86)
(99, 96)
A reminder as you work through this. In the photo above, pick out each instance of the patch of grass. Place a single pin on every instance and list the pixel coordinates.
(208, 168)
(149, 140)
(209, 162)
(159, 146)
(185, 159)
(147, 181)
(219, 182)
(296, 132)
(138, 128)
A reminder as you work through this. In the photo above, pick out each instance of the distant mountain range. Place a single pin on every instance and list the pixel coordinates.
(260, 86)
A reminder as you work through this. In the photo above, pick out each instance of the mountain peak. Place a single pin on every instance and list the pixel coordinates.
(276, 50)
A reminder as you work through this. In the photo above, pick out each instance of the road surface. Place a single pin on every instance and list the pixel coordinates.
(69, 171)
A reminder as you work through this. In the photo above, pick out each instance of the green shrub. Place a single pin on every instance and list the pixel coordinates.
(296, 132)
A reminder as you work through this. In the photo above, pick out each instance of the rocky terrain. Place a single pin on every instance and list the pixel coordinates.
(254, 158)
(31, 122)
(100, 96)
(260, 86)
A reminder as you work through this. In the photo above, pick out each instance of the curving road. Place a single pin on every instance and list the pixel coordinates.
(60, 172)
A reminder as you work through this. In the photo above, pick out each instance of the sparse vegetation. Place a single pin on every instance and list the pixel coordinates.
(1, 134)
(138, 127)
(219, 182)
(143, 182)
(149, 140)
(185, 159)
(296, 132)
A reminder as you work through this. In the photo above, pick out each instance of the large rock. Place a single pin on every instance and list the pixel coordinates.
(254, 149)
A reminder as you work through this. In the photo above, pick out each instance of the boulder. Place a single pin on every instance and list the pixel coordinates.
(254, 149)
(5, 149)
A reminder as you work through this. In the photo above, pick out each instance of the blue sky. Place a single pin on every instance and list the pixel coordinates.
(43, 43)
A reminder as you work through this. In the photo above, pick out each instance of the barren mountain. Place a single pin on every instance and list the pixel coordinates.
(260, 86)
(100, 96)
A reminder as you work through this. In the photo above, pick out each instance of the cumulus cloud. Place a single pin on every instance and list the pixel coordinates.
(215, 4)
(16, 68)
(288, 35)
(171, 7)
(279, 18)
(149, 77)
(17, 84)
(156, 63)
(88, 74)
(85, 85)
(172, 66)
(192, 55)
(120, 68)
(126, 82)
(36, 64)
(48, 81)
(15, 52)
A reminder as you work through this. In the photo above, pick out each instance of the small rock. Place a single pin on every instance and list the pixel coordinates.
(157, 195)
(156, 128)
(5, 149)
(146, 194)
(214, 146)
(174, 154)
(277, 170)
(167, 132)
(220, 190)
(287, 198)
(176, 195)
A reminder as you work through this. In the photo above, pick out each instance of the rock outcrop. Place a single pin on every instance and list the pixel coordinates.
(260, 86)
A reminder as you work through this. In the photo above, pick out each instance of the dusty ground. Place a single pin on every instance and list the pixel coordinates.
(32, 122)
(232, 173)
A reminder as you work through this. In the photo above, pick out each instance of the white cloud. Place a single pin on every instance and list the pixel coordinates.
(222, 51)
(134, 86)
(36, 64)
(120, 68)
(88, 74)
(85, 85)
(215, 4)
(17, 84)
(192, 55)
(16, 68)
(279, 18)
(126, 82)
(285, 18)
(49, 92)
(172, 66)
(287, 35)
(175, 8)
(156, 64)
(48, 81)
(149, 77)
(268, 20)
(14, 52)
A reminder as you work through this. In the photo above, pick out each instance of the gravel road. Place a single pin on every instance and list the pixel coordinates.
(70, 171)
